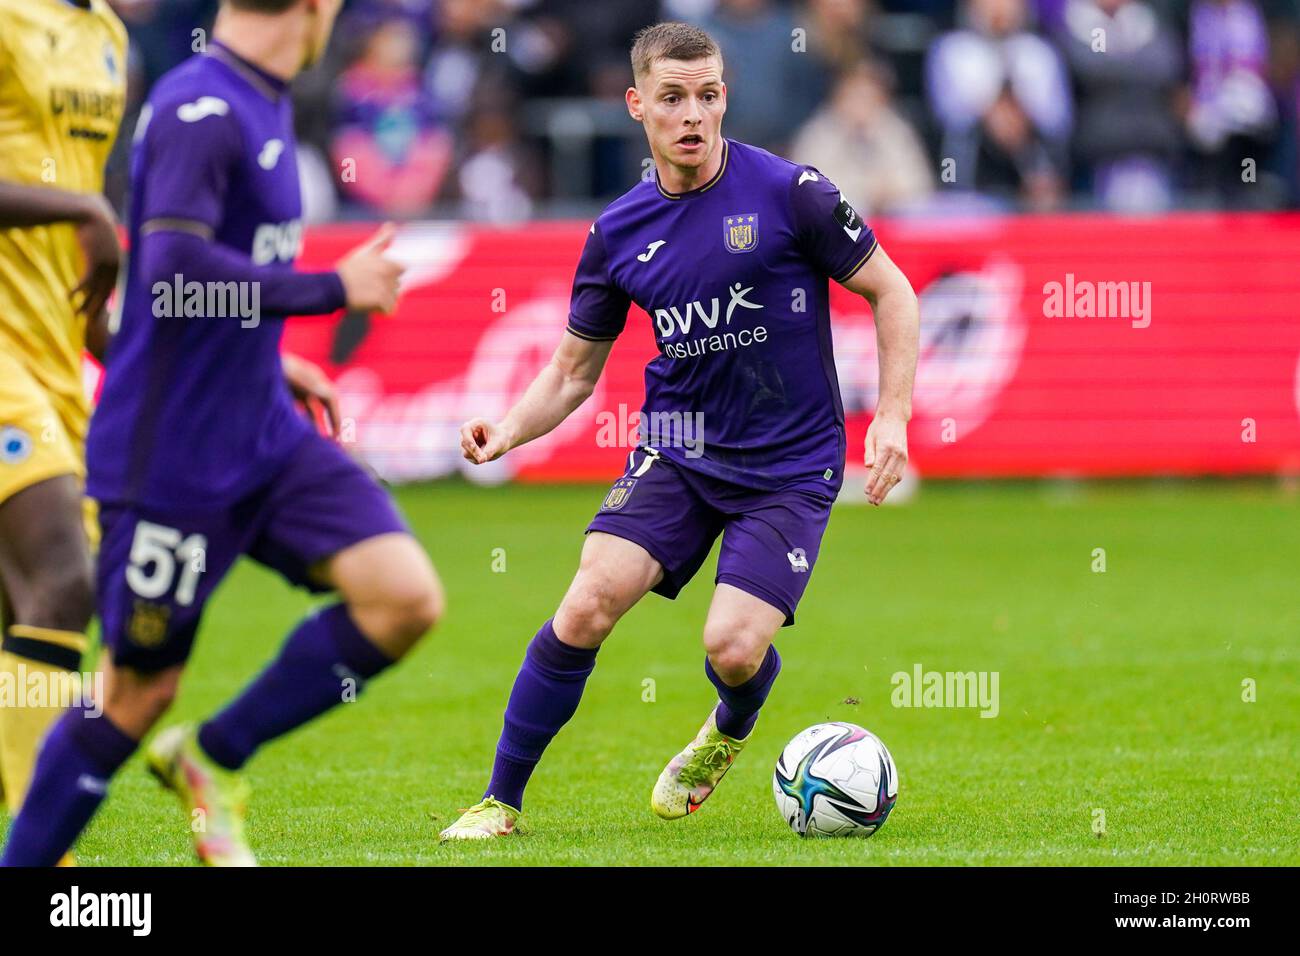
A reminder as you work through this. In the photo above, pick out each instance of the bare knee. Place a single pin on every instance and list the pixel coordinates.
(614, 574)
(397, 617)
(735, 648)
(391, 590)
(588, 612)
(416, 611)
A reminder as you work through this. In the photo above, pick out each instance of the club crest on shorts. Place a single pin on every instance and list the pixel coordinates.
(740, 233)
(15, 445)
(618, 495)
(148, 624)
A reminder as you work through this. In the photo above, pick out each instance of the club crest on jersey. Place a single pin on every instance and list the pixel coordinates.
(110, 61)
(15, 445)
(618, 495)
(740, 233)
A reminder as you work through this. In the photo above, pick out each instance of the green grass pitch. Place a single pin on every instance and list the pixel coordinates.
(1120, 692)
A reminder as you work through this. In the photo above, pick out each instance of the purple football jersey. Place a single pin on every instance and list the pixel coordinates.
(734, 276)
(195, 410)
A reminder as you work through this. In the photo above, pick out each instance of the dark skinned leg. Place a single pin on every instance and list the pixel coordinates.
(46, 576)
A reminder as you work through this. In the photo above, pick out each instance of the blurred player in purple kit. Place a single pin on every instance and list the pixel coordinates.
(729, 250)
(197, 453)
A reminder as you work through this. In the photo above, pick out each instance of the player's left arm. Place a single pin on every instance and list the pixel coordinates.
(898, 324)
(841, 246)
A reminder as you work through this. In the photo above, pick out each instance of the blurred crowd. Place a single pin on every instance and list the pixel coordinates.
(502, 110)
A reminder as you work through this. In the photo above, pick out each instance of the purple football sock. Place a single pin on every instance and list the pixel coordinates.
(78, 757)
(545, 696)
(324, 652)
(739, 705)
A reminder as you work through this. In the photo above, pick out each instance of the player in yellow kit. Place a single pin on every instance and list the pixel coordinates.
(62, 93)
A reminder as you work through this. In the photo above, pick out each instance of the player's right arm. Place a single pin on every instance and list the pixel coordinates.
(597, 314)
(566, 382)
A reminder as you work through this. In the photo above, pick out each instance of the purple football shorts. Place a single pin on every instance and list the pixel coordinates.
(770, 539)
(157, 568)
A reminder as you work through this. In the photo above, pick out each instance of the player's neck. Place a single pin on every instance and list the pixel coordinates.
(682, 179)
(275, 45)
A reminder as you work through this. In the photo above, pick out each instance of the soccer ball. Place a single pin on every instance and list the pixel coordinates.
(835, 779)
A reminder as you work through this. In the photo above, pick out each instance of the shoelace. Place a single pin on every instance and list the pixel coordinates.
(705, 761)
(482, 807)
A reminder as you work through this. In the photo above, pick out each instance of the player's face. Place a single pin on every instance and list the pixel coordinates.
(324, 12)
(681, 104)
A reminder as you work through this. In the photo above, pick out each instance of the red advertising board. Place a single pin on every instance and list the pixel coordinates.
(1064, 345)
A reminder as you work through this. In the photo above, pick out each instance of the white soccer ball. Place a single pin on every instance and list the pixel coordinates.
(835, 779)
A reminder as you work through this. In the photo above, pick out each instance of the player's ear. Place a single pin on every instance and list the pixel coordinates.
(633, 99)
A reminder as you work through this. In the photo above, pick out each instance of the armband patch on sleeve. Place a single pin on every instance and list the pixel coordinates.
(848, 217)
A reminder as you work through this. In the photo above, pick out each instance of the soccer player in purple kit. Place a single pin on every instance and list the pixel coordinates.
(729, 250)
(197, 453)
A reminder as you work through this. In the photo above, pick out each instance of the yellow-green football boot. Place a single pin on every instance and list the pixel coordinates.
(694, 773)
(486, 819)
(214, 797)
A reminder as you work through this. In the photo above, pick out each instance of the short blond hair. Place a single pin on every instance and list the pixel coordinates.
(670, 40)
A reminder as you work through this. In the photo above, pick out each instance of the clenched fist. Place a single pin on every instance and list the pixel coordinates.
(482, 441)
